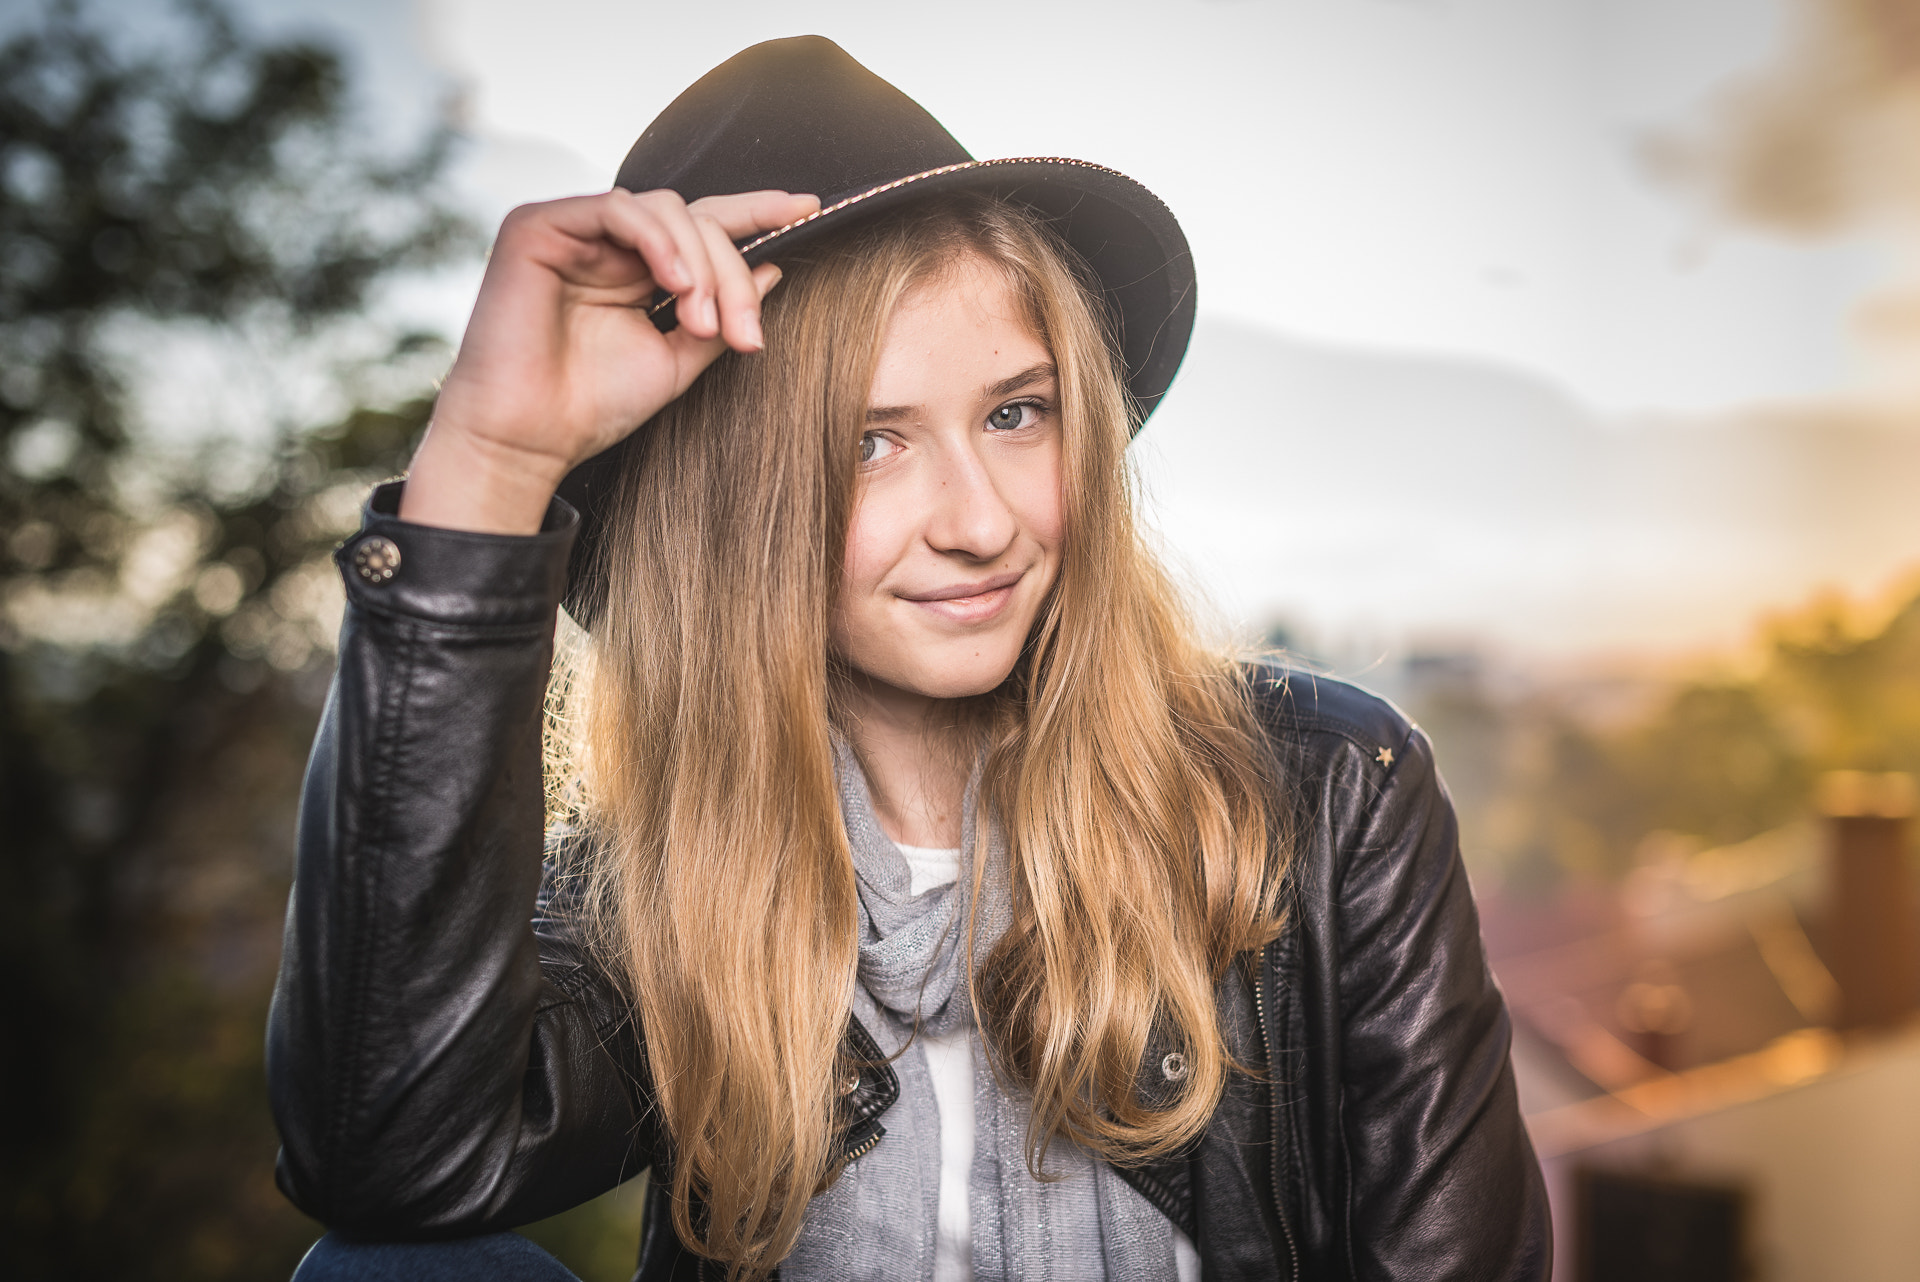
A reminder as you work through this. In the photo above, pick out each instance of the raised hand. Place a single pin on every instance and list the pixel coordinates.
(560, 359)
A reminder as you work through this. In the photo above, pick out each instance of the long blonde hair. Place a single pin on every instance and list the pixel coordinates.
(1136, 793)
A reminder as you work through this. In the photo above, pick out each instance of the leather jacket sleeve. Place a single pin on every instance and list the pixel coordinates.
(1418, 1163)
(441, 1057)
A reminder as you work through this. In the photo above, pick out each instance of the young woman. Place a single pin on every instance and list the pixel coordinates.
(925, 901)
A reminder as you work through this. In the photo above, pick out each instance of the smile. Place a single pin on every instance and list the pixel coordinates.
(969, 602)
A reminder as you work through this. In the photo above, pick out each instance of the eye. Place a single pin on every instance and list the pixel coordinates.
(1014, 415)
(875, 446)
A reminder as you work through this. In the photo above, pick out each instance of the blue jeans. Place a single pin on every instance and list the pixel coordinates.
(507, 1257)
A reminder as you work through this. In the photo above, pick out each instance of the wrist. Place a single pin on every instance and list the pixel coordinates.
(461, 482)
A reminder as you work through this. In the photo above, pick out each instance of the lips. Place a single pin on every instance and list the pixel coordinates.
(974, 602)
(966, 591)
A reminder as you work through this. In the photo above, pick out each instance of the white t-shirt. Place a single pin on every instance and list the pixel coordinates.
(950, 1063)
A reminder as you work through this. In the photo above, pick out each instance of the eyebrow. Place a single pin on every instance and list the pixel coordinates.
(1043, 372)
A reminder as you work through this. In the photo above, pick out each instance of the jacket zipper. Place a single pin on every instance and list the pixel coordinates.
(864, 1149)
(1274, 1158)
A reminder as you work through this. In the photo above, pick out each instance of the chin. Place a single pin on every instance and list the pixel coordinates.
(958, 685)
(964, 677)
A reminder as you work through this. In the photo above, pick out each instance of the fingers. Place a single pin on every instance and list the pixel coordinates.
(720, 299)
(735, 297)
(693, 353)
(749, 213)
(716, 294)
(628, 243)
(690, 272)
(599, 238)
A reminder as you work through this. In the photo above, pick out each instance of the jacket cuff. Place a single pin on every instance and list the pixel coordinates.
(455, 576)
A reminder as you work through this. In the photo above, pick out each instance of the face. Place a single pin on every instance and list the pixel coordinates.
(957, 524)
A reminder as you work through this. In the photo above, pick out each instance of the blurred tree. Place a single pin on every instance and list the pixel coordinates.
(165, 610)
(1716, 761)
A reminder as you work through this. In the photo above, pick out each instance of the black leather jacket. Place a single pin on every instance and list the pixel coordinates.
(445, 1058)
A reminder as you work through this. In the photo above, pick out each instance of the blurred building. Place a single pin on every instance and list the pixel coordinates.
(1720, 1061)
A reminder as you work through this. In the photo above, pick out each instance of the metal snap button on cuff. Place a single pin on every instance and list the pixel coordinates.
(851, 1085)
(376, 560)
(1174, 1066)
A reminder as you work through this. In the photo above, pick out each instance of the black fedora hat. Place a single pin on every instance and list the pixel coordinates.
(801, 115)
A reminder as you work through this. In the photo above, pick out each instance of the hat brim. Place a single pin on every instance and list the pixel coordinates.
(1124, 232)
(1126, 235)
(1124, 228)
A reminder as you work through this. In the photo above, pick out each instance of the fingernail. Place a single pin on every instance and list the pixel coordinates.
(771, 279)
(709, 314)
(680, 277)
(754, 336)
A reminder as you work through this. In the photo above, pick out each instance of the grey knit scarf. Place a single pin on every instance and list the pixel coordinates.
(877, 1221)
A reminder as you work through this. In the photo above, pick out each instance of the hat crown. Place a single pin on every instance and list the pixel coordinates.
(797, 115)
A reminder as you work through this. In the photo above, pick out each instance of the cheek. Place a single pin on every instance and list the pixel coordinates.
(1038, 498)
(873, 546)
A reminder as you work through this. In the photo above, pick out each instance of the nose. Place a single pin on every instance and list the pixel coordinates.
(966, 513)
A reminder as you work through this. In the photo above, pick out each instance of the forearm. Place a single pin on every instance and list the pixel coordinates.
(423, 1068)
(459, 481)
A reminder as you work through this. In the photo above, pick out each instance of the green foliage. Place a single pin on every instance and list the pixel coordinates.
(220, 183)
(164, 626)
(598, 1240)
(1722, 759)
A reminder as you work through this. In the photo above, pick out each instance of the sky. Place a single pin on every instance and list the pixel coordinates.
(1430, 175)
(1465, 368)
